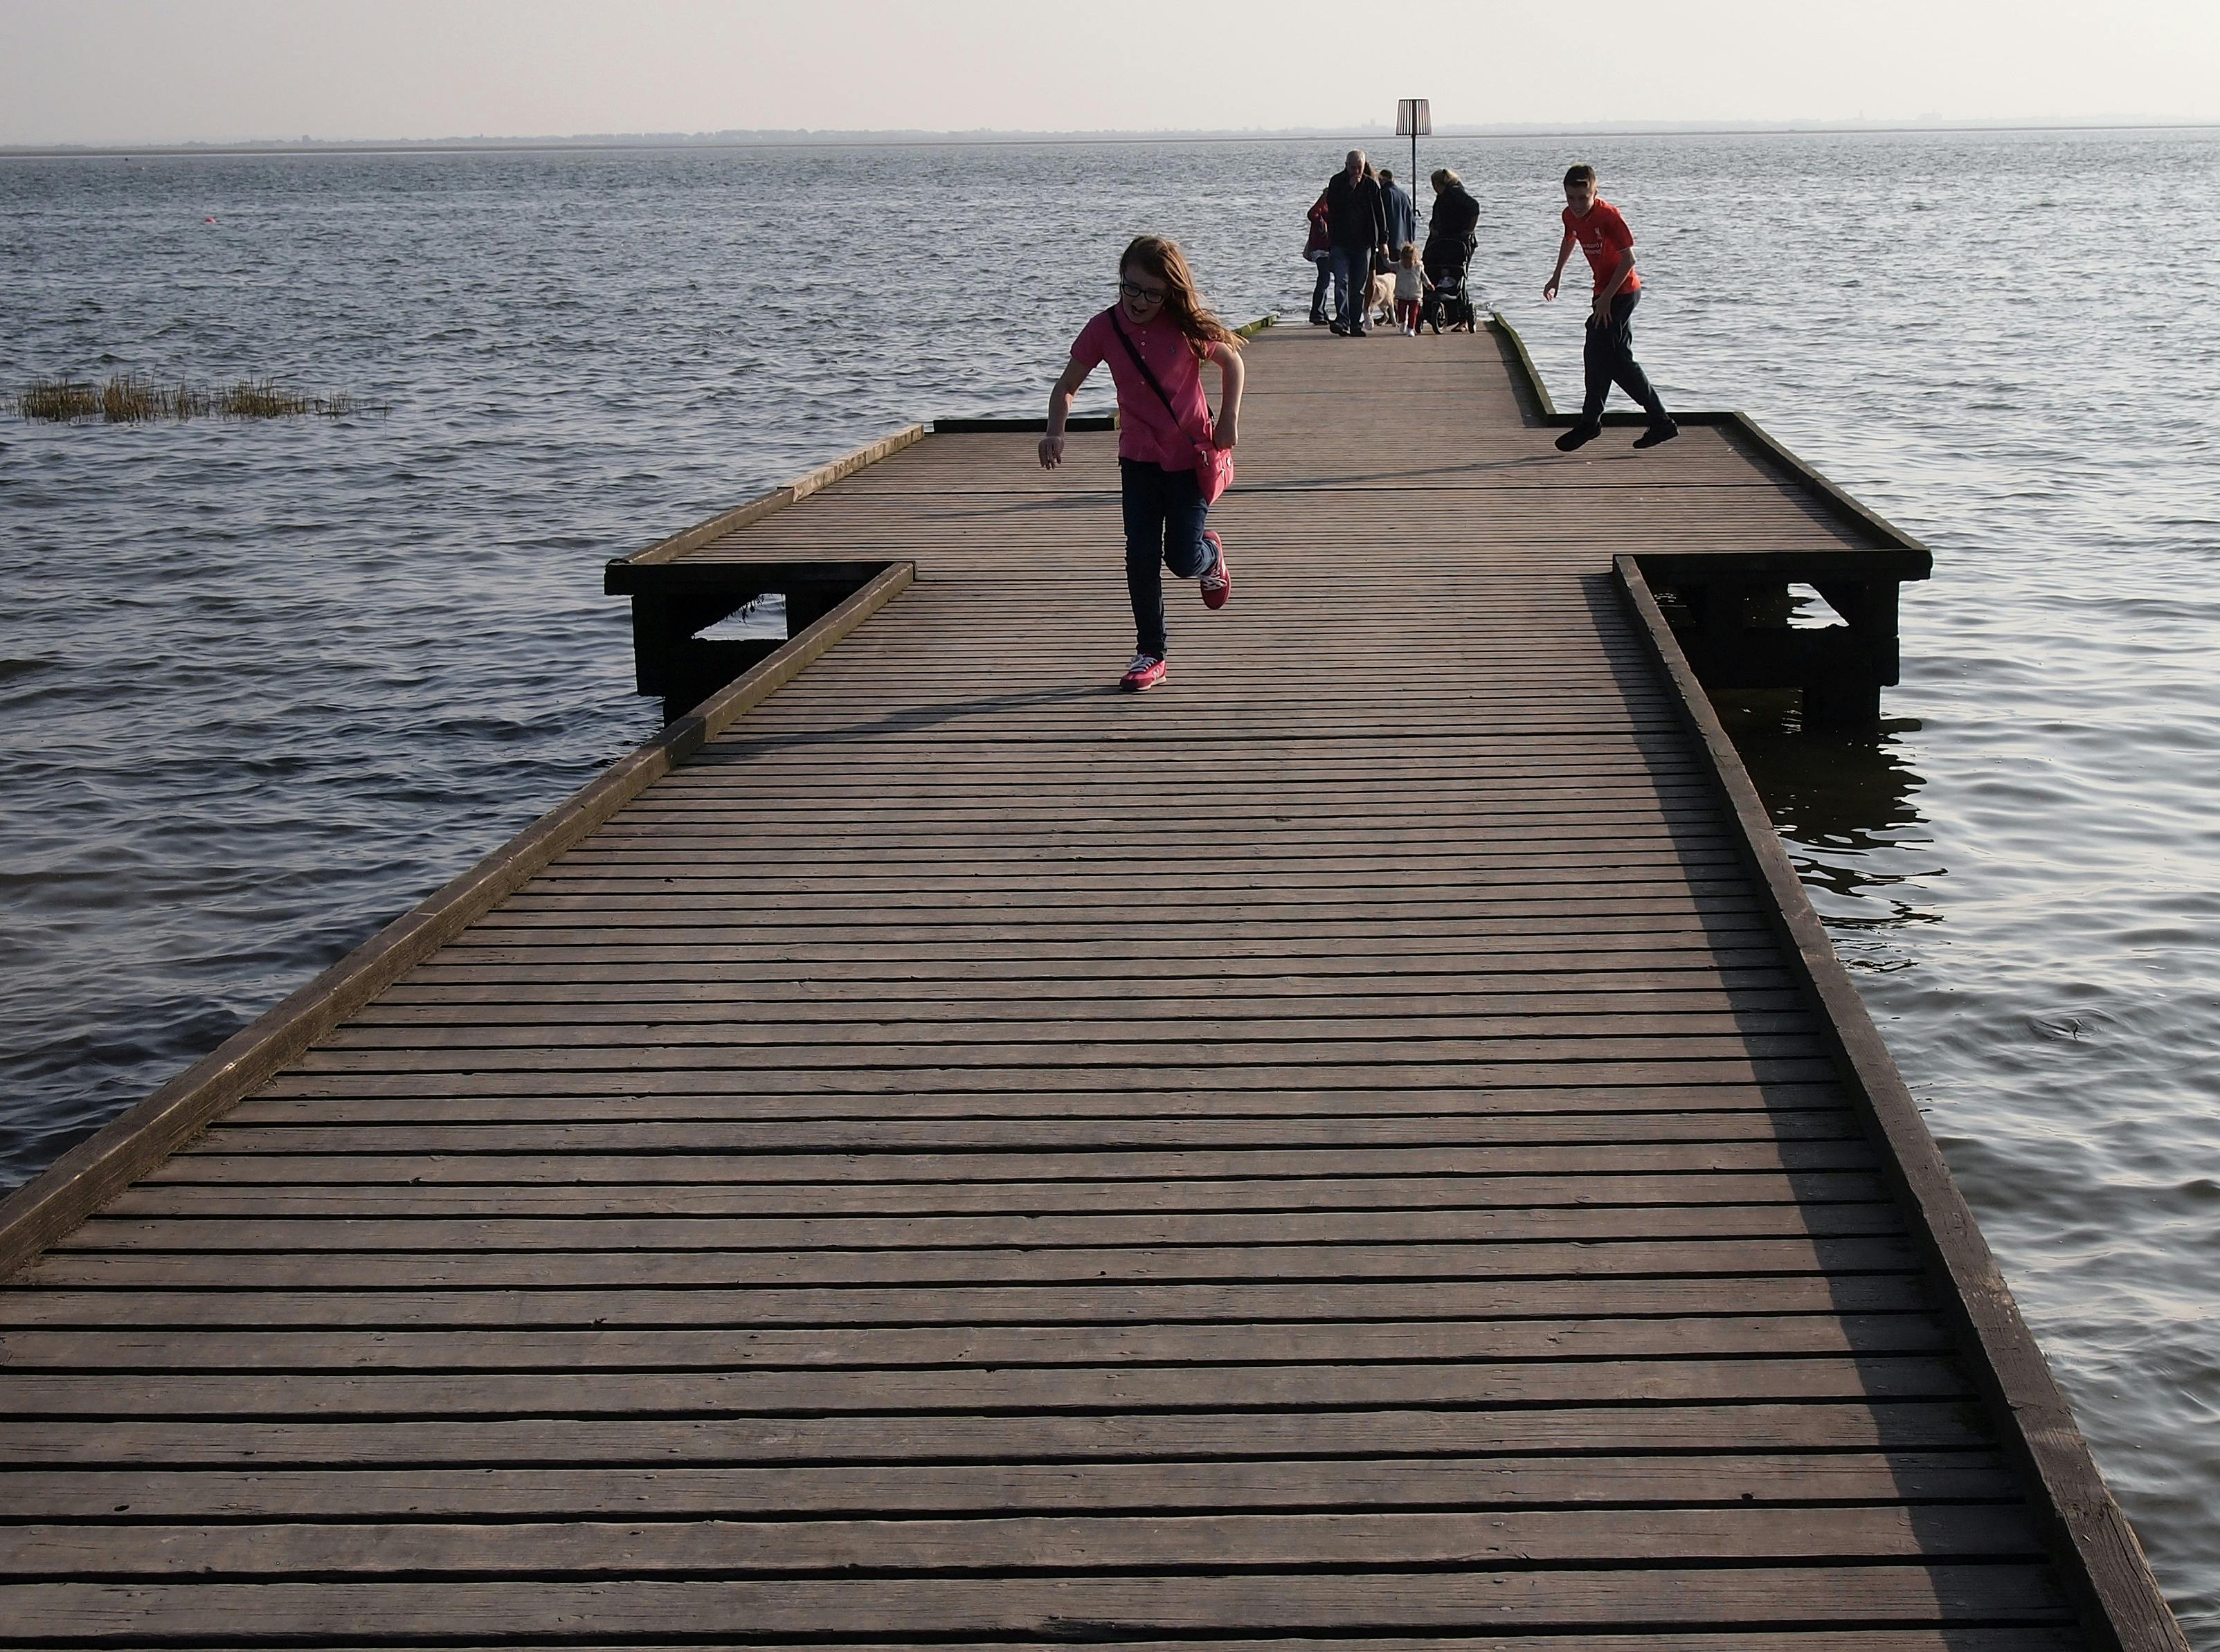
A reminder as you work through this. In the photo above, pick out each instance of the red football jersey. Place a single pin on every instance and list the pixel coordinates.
(1603, 235)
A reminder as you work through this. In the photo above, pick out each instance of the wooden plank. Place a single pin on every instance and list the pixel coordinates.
(1370, 1342)
(789, 1079)
(729, 1548)
(370, 1159)
(1050, 910)
(542, 1248)
(805, 1003)
(1136, 1056)
(1633, 964)
(1756, 1487)
(1295, 948)
(680, 1216)
(34, 1393)
(1760, 1241)
(816, 1216)
(1954, 1638)
(1825, 1596)
(1614, 1033)
(1250, 1302)
(1582, 1109)
(307, 1150)
(653, 885)
(1811, 1438)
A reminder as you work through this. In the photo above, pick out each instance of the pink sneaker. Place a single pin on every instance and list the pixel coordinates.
(1217, 583)
(1145, 672)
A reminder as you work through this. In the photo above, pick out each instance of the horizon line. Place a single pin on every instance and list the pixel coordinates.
(806, 137)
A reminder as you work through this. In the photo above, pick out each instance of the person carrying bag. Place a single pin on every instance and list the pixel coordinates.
(1156, 339)
(1213, 466)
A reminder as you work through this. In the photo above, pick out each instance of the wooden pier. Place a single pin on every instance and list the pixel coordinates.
(1365, 1143)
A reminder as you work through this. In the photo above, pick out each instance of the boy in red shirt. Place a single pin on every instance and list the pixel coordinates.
(1608, 354)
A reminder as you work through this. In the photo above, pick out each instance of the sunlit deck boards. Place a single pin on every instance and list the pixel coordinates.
(1329, 1149)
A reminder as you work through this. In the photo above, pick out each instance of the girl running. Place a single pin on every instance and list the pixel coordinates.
(1156, 339)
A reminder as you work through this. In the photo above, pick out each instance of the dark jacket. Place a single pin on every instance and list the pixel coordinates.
(1402, 217)
(1455, 216)
(1354, 216)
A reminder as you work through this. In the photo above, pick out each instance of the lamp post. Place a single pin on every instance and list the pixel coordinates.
(1414, 120)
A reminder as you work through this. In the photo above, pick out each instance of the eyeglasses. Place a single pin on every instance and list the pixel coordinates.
(1141, 294)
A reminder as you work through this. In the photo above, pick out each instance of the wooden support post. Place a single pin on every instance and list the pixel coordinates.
(673, 602)
(664, 645)
(1733, 626)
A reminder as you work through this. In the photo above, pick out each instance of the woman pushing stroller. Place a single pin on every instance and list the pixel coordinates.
(1451, 227)
(1156, 339)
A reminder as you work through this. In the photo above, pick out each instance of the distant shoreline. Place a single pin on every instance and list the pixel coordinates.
(733, 141)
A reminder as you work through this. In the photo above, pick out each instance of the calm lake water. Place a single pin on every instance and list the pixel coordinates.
(262, 687)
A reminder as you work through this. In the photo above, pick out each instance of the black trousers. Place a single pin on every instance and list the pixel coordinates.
(1608, 358)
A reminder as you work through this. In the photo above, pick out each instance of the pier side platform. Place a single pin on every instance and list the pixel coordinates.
(1365, 1143)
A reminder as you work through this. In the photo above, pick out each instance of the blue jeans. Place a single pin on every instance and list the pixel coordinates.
(1351, 265)
(1318, 293)
(1165, 514)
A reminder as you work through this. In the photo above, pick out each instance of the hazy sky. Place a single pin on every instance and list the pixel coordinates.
(154, 71)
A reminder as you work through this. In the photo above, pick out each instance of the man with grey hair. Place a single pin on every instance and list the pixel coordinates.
(1357, 226)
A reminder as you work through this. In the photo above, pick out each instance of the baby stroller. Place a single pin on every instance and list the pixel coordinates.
(1449, 306)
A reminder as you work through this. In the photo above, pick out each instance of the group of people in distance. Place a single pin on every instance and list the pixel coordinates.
(1159, 332)
(1365, 224)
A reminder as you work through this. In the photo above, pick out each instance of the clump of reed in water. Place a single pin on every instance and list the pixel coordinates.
(131, 401)
(262, 398)
(59, 399)
(131, 398)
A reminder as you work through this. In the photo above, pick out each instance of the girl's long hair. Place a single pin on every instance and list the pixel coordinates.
(1162, 258)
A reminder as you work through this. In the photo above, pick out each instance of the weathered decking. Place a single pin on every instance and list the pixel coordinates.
(1357, 1144)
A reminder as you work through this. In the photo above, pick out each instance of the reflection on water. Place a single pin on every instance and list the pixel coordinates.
(1844, 804)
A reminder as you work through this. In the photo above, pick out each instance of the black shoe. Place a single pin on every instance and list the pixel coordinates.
(1361, 333)
(1657, 434)
(1318, 320)
(1578, 436)
(1339, 331)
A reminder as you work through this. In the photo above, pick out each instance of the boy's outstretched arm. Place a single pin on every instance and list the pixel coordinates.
(1059, 411)
(1564, 251)
(1232, 375)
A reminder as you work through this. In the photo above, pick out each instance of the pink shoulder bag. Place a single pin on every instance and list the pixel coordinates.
(1213, 466)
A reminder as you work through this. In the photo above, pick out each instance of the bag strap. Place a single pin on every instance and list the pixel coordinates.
(1119, 328)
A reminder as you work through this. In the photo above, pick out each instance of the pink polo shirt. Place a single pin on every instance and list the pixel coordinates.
(1145, 429)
